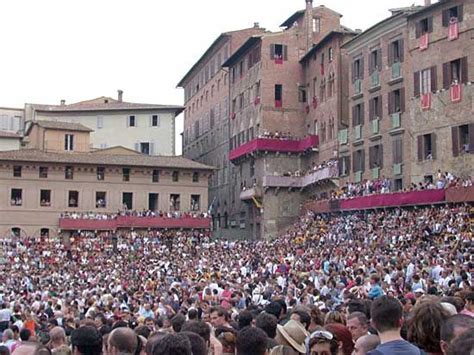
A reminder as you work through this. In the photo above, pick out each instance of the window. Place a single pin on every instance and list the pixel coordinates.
(278, 95)
(330, 54)
(375, 108)
(397, 151)
(45, 198)
(43, 172)
(463, 139)
(100, 199)
(155, 120)
(145, 148)
(344, 165)
(375, 61)
(455, 72)
(278, 51)
(317, 24)
(358, 69)
(125, 174)
(155, 177)
(425, 81)
(424, 26)
(302, 94)
(16, 171)
(175, 176)
(195, 177)
(195, 202)
(131, 122)
(174, 202)
(16, 197)
(396, 101)
(153, 199)
(127, 200)
(376, 156)
(100, 122)
(73, 199)
(69, 142)
(359, 160)
(358, 115)
(69, 172)
(426, 147)
(395, 52)
(453, 14)
(100, 173)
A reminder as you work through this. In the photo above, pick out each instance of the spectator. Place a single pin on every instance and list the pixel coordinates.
(251, 341)
(268, 323)
(452, 328)
(173, 344)
(122, 341)
(358, 325)
(86, 340)
(365, 344)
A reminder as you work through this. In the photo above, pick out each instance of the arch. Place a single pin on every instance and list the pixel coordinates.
(15, 232)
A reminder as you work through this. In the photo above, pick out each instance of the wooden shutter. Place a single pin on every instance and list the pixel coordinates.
(354, 108)
(416, 84)
(361, 74)
(430, 24)
(401, 49)
(434, 79)
(379, 107)
(353, 71)
(127, 121)
(379, 58)
(285, 52)
(464, 70)
(380, 157)
(455, 140)
(390, 97)
(348, 163)
(418, 29)
(402, 100)
(355, 161)
(362, 113)
(371, 63)
(445, 18)
(371, 157)
(460, 13)
(362, 163)
(447, 75)
(272, 51)
(390, 54)
(471, 138)
(371, 109)
(433, 145)
(419, 141)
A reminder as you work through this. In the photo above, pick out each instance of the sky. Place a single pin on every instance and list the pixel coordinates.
(78, 50)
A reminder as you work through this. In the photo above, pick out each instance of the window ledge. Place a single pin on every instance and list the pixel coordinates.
(376, 137)
(375, 88)
(396, 131)
(358, 142)
(395, 80)
(357, 96)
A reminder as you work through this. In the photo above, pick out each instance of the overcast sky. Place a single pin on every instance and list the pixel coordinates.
(78, 50)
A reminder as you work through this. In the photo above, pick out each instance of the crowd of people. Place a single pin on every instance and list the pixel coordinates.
(385, 282)
(132, 213)
(277, 135)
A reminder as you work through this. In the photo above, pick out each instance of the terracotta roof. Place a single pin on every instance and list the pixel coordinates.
(33, 155)
(64, 126)
(5, 134)
(104, 103)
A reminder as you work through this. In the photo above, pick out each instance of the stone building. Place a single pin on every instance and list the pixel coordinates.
(58, 173)
(145, 128)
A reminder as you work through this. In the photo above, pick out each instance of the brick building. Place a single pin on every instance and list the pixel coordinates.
(441, 91)
(206, 118)
(59, 173)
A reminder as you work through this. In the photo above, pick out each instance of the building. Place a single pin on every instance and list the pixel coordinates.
(206, 118)
(377, 138)
(11, 128)
(441, 91)
(145, 128)
(58, 172)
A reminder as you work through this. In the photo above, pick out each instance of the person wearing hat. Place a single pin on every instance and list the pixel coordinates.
(292, 334)
(322, 342)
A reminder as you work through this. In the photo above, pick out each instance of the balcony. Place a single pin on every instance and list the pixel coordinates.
(357, 86)
(375, 79)
(186, 222)
(357, 132)
(250, 193)
(396, 120)
(274, 145)
(396, 70)
(397, 169)
(375, 172)
(329, 172)
(343, 136)
(375, 126)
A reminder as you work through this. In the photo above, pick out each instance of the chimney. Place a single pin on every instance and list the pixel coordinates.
(256, 25)
(63, 102)
(309, 25)
(120, 95)
(427, 2)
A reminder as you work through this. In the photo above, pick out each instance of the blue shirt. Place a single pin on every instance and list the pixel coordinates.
(396, 347)
(375, 291)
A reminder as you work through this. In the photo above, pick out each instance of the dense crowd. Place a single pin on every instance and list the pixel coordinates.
(132, 213)
(385, 282)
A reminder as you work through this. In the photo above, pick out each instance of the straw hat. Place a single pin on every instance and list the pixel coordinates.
(294, 334)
